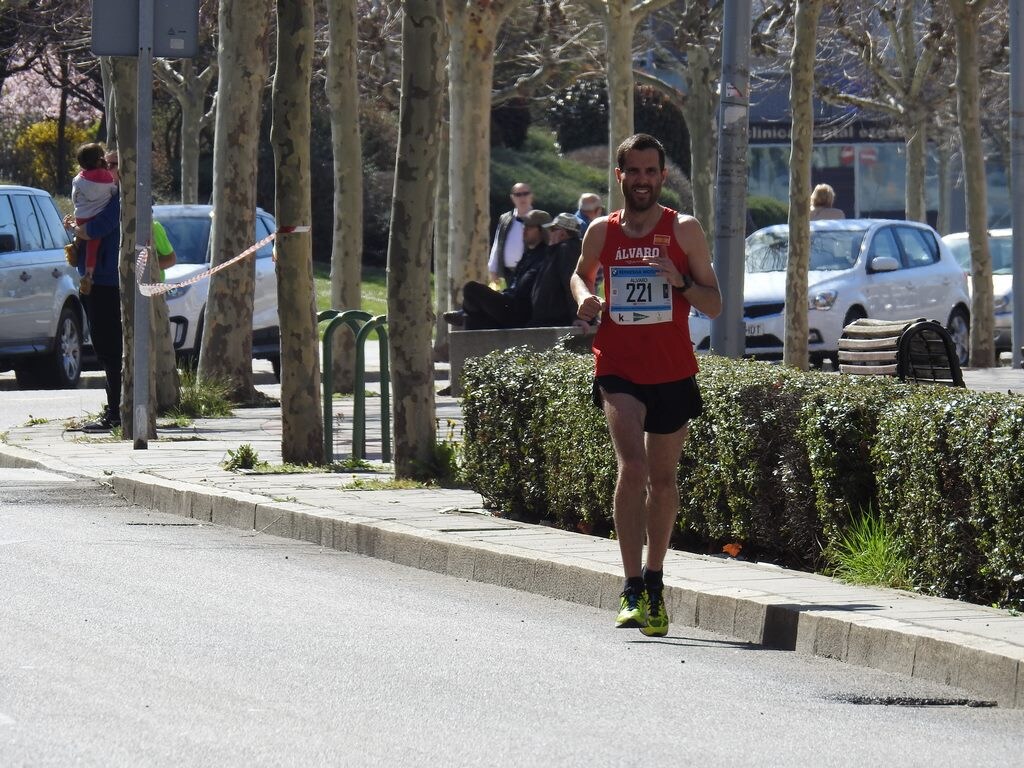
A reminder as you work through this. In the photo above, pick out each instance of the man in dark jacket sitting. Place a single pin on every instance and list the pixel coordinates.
(551, 297)
(484, 307)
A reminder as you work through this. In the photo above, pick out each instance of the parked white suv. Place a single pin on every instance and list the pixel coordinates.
(188, 229)
(41, 317)
(878, 268)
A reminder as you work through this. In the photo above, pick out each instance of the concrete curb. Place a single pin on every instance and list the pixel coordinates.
(988, 669)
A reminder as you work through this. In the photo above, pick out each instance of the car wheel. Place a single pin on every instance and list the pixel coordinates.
(959, 327)
(62, 367)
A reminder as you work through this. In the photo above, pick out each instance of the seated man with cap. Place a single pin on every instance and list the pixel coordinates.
(484, 307)
(552, 300)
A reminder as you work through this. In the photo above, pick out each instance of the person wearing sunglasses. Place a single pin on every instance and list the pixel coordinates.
(507, 248)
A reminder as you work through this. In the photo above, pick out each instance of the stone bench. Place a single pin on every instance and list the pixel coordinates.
(465, 344)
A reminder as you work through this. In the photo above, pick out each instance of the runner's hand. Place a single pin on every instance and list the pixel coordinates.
(590, 308)
(667, 269)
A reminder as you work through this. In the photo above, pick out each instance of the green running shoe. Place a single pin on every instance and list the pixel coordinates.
(633, 610)
(657, 616)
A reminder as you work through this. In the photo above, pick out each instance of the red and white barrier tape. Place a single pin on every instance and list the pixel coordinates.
(155, 289)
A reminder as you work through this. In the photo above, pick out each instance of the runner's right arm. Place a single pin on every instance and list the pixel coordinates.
(589, 305)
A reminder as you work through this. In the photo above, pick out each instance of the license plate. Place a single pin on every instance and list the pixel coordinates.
(754, 329)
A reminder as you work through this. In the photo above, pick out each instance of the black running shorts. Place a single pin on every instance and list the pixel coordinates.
(669, 405)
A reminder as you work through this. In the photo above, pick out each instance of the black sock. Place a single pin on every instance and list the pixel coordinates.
(653, 580)
(634, 584)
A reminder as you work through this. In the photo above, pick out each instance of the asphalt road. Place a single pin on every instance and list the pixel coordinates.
(133, 638)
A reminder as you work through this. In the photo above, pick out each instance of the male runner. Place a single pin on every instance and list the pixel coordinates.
(656, 265)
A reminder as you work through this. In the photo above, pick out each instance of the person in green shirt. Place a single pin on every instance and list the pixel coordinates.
(165, 254)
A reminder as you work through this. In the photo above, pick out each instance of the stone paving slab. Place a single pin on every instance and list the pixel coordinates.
(973, 647)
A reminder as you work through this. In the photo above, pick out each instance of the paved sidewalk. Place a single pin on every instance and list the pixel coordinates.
(975, 648)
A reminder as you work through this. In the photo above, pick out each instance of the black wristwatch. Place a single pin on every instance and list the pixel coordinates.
(687, 283)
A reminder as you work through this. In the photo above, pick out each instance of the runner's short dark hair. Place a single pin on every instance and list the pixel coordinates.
(640, 141)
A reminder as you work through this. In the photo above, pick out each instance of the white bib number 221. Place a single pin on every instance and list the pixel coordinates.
(639, 296)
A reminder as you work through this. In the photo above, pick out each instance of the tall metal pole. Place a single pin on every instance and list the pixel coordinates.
(728, 335)
(1017, 174)
(143, 223)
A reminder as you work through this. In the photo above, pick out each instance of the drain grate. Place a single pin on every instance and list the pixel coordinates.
(912, 701)
(169, 525)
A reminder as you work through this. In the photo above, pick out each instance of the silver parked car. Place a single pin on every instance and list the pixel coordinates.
(41, 317)
(878, 268)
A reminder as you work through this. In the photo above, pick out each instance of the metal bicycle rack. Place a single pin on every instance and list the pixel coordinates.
(362, 324)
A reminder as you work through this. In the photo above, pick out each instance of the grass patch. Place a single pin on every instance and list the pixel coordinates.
(374, 293)
(866, 553)
(206, 398)
(392, 484)
(243, 457)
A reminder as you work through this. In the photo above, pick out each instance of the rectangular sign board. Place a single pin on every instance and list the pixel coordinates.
(115, 28)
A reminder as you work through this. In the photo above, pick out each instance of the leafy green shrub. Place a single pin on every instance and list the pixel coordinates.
(952, 480)
(765, 211)
(783, 461)
(502, 455)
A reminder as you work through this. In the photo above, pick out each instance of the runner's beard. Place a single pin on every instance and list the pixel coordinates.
(637, 205)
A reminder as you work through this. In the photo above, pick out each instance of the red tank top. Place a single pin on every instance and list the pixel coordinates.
(644, 335)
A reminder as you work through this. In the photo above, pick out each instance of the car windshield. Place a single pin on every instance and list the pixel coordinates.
(189, 236)
(1000, 248)
(831, 250)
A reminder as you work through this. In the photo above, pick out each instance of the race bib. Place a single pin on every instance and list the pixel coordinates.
(639, 296)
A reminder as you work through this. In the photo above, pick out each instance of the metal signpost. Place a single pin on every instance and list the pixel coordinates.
(728, 336)
(167, 28)
(1016, 171)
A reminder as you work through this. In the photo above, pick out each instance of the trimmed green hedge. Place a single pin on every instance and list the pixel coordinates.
(781, 461)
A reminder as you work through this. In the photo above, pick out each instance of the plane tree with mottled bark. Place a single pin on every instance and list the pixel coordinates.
(967, 16)
(424, 44)
(302, 435)
(242, 66)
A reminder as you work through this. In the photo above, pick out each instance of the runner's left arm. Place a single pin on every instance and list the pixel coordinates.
(704, 294)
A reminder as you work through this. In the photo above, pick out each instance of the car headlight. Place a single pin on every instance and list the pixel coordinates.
(1003, 305)
(178, 291)
(822, 300)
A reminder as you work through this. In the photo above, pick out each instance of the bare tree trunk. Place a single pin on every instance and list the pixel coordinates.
(424, 40)
(700, 110)
(189, 90)
(945, 185)
(965, 18)
(474, 28)
(620, 22)
(302, 438)
(441, 247)
(226, 349)
(620, 25)
(347, 246)
(916, 131)
(801, 98)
